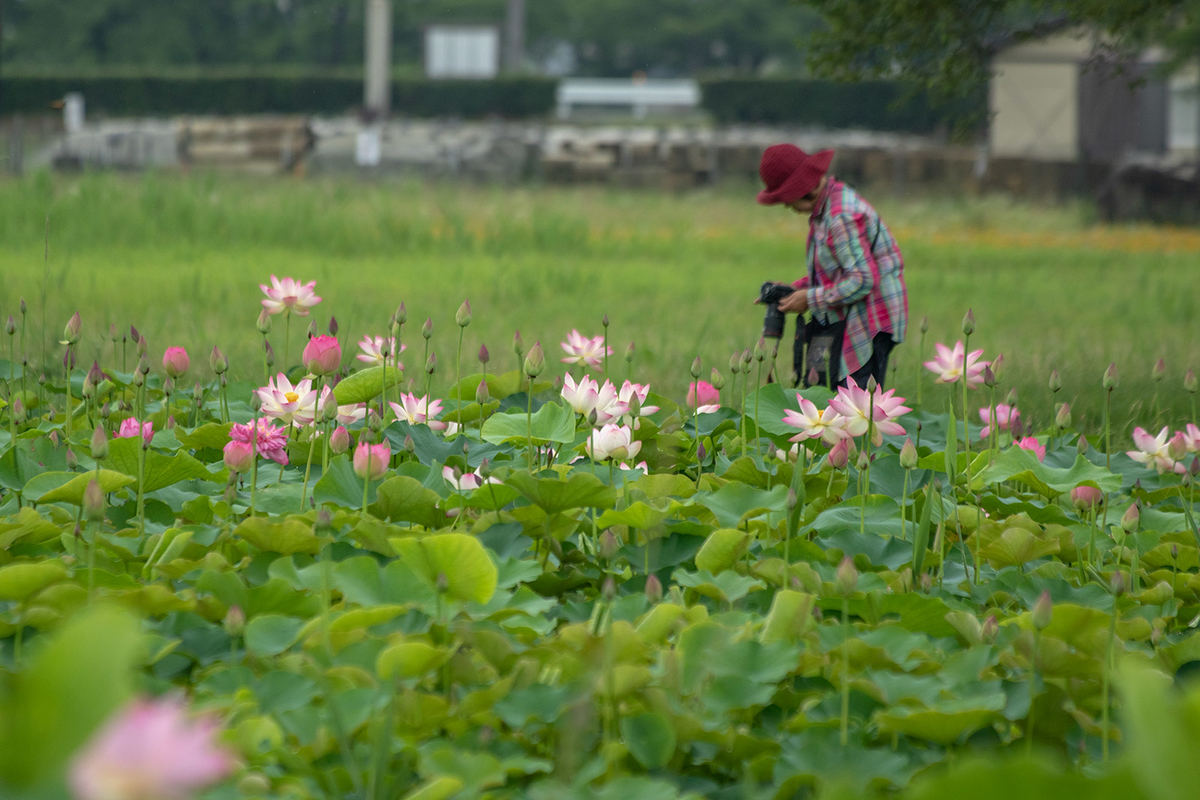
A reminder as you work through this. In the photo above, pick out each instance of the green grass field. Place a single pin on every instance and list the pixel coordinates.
(181, 258)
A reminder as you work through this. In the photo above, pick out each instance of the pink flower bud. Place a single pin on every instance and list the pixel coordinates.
(1131, 518)
(535, 361)
(990, 629)
(218, 361)
(1086, 498)
(463, 317)
(235, 621)
(1111, 378)
(239, 456)
(72, 329)
(1043, 611)
(484, 355)
(175, 361)
(1189, 382)
(839, 455)
(322, 355)
(371, 460)
(908, 455)
(847, 577)
(1177, 447)
(93, 501)
(654, 589)
(1159, 371)
(427, 328)
(339, 440)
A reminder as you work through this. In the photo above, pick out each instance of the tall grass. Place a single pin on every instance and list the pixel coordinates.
(181, 258)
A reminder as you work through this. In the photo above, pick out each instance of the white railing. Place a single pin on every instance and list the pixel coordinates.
(639, 95)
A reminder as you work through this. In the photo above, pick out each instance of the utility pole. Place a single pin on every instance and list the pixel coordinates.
(378, 66)
(514, 36)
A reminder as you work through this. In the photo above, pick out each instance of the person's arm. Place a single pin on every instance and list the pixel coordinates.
(856, 273)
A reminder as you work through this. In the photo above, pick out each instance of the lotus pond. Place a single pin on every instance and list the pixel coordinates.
(549, 586)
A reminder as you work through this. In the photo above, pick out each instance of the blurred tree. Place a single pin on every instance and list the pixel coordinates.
(945, 46)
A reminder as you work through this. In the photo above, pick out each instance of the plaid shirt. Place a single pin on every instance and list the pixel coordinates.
(855, 272)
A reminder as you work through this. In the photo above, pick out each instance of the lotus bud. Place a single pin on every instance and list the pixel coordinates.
(1016, 426)
(872, 384)
(481, 393)
(1086, 498)
(604, 321)
(339, 440)
(1194, 469)
(72, 460)
(99, 443)
(701, 452)
(735, 363)
(558, 384)
(968, 323)
(170, 422)
(394, 327)
(72, 329)
(11, 325)
(1159, 371)
(1063, 418)
(385, 349)
(990, 629)
(926, 582)
(924, 327)
(1189, 382)
(1111, 379)
(329, 408)
(1116, 583)
(134, 336)
(908, 455)
(23, 306)
(333, 325)
(1043, 611)
(105, 411)
(629, 353)
(427, 329)
(463, 316)
(716, 379)
(374, 423)
(518, 345)
(846, 578)
(609, 589)
(93, 501)
(175, 361)
(814, 377)
(143, 347)
(760, 350)
(1174, 550)
(989, 377)
(654, 589)
(264, 322)
(747, 358)
(839, 454)
(255, 402)
(1129, 522)
(139, 377)
(535, 362)
(1081, 444)
(1177, 447)
(484, 355)
(312, 329)
(696, 368)
(593, 417)
(635, 405)
(431, 363)
(1185, 480)
(410, 446)
(401, 314)
(235, 621)
(217, 361)
(89, 388)
(608, 545)
(443, 583)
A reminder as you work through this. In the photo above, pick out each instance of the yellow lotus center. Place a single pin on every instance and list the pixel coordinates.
(291, 396)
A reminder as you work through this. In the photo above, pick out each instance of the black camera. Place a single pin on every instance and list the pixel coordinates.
(769, 295)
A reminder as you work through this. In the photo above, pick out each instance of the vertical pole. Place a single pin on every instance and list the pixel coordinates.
(514, 36)
(378, 54)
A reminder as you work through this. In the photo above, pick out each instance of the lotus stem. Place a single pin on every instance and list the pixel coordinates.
(757, 392)
(254, 465)
(1105, 722)
(745, 390)
(1033, 681)
(529, 422)
(904, 508)
(920, 363)
(366, 491)
(312, 443)
(287, 338)
(1107, 416)
(845, 724)
(458, 376)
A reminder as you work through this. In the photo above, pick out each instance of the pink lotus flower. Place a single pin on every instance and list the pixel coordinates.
(415, 411)
(612, 441)
(149, 751)
(371, 460)
(287, 403)
(1191, 438)
(175, 362)
(948, 365)
(582, 350)
(339, 440)
(816, 423)
(467, 482)
(239, 456)
(1154, 451)
(1086, 498)
(130, 428)
(289, 295)
(856, 407)
(1031, 444)
(372, 351)
(706, 395)
(839, 454)
(580, 396)
(628, 390)
(322, 355)
(608, 406)
(1005, 416)
(271, 442)
(346, 415)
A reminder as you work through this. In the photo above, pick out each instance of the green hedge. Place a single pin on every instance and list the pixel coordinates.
(871, 105)
(248, 94)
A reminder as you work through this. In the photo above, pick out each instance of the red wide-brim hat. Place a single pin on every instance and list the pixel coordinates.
(790, 173)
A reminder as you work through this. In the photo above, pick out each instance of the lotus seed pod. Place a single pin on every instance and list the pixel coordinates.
(696, 368)
(846, 578)
(629, 351)
(235, 621)
(1131, 518)
(924, 325)
(716, 379)
(1159, 371)
(484, 355)
(1063, 418)
(1043, 611)
(463, 316)
(263, 323)
(93, 501)
(1189, 382)
(1111, 379)
(535, 361)
(427, 328)
(654, 589)
(99, 443)
(968, 323)
(908, 455)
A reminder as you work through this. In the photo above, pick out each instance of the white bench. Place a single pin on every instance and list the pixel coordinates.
(640, 95)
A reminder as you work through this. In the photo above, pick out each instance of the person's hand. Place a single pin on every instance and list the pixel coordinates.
(794, 303)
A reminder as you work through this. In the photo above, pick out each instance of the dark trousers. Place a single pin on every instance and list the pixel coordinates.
(876, 366)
